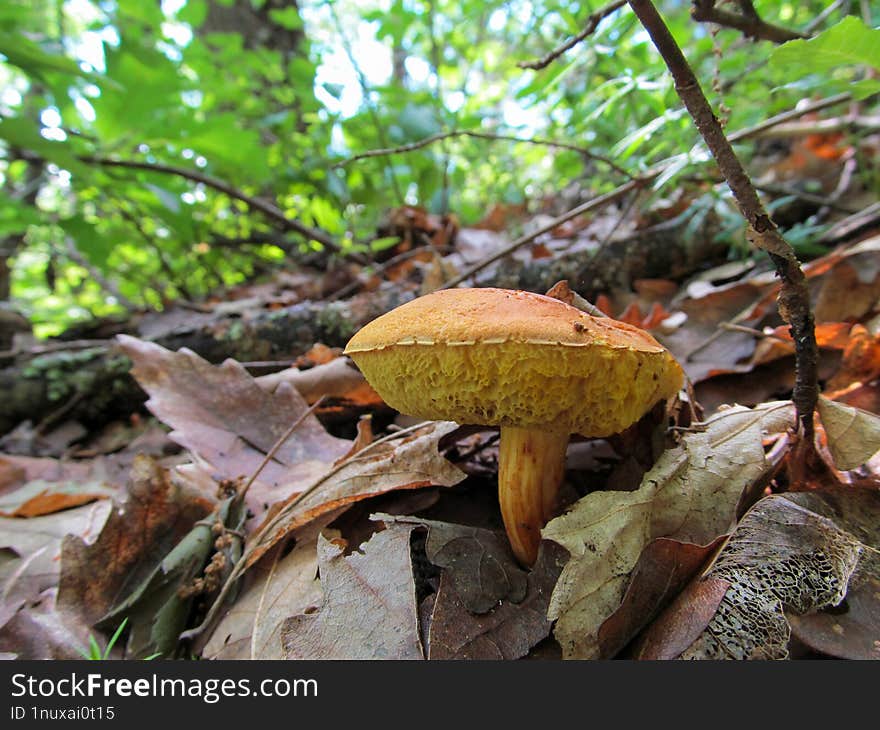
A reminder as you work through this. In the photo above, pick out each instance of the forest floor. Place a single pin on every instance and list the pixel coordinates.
(263, 502)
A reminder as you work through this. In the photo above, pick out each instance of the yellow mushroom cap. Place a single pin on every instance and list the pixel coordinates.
(513, 358)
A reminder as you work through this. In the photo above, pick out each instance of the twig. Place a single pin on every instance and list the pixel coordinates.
(355, 285)
(794, 295)
(413, 146)
(731, 327)
(592, 23)
(638, 183)
(749, 23)
(823, 16)
(829, 202)
(243, 563)
(597, 202)
(789, 115)
(365, 90)
(278, 444)
(866, 124)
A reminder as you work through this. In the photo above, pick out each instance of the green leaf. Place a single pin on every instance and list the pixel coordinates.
(847, 43)
(193, 12)
(288, 18)
(32, 59)
(23, 133)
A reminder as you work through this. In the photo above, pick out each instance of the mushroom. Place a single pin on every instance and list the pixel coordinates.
(536, 367)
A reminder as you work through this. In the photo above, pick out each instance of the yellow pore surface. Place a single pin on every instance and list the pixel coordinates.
(499, 357)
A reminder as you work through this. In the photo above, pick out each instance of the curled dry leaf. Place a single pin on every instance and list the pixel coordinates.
(507, 631)
(691, 495)
(853, 434)
(228, 421)
(793, 553)
(664, 569)
(336, 378)
(369, 604)
(683, 622)
(44, 498)
(410, 462)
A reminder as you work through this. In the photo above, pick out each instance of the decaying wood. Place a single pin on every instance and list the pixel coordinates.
(92, 384)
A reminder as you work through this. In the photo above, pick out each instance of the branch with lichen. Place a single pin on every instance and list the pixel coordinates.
(794, 295)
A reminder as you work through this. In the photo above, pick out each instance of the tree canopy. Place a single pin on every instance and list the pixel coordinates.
(157, 151)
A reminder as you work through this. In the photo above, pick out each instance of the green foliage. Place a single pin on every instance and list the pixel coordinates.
(141, 82)
(835, 53)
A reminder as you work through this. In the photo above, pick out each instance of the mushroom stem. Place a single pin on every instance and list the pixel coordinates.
(531, 463)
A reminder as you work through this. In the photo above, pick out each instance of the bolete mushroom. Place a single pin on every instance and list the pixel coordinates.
(535, 366)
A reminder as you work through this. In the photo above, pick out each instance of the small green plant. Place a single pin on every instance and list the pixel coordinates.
(94, 652)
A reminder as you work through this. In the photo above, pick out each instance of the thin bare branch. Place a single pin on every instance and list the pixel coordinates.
(427, 141)
(270, 210)
(794, 295)
(592, 23)
(597, 202)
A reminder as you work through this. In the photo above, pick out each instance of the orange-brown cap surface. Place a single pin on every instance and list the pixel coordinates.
(502, 357)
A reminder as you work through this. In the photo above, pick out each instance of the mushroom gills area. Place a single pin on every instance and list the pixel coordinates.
(590, 390)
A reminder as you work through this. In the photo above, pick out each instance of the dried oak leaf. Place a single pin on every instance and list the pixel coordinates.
(409, 462)
(478, 562)
(276, 587)
(853, 434)
(791, 554)
(691, 495)
(155, 516)
(224, 418)
(509, 630)
(368, 609)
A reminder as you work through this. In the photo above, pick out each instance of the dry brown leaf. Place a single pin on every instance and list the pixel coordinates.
(478, 562)
(225, 419)
(42, 630)
(690, 494)
(665, 567)
(683, 622)
(35, 547)
(39, 497)
(508, 631)
(369, 604)
(410, 462)
(792, 553)
(336, 379)
(154, 517)
(853, 434)
(276, 588)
